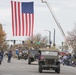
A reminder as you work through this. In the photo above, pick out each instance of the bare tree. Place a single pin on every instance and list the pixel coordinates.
(72, 38)
(36, 41)
(3, 43)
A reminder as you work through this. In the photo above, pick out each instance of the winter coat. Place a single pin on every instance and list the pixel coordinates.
(0, 56)
(9, 54)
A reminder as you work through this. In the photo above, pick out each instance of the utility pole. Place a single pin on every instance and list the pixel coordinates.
(54, 39)
(62, 46)
(14, 42)
(49, 38)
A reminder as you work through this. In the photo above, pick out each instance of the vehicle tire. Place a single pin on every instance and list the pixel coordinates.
(29, 60)
(25, 58)
(19, 57)
(0, 62)
(58, 70)
(40, 68)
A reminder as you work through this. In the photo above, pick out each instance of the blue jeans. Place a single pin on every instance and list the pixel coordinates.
(9, 59)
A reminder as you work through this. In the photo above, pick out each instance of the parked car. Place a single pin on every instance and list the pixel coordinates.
(48, 59)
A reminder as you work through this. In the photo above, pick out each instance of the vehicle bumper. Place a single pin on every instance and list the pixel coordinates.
(47, 67)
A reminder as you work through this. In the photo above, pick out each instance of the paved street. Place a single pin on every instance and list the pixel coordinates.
(21, 67)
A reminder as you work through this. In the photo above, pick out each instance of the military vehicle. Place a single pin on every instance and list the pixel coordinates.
(23, 54)
(32, 55)
(49, 59)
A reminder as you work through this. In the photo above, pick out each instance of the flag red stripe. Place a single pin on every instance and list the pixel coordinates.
(19, 17)
(29, 24)
(12, 18)
(22, 24)
(15, 17)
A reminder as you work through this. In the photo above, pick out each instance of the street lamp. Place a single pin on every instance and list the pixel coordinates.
(62, 46)
(43, 1)
(49, 38)
(54, 39)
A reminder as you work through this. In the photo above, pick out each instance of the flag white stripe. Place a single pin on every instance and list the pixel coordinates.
(24, 24)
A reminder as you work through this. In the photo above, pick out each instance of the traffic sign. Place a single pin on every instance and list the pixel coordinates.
(38, 43)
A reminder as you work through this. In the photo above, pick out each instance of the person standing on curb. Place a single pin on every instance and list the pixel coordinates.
(2, 53)
(0, 57)
(9, 56)
(17, 52)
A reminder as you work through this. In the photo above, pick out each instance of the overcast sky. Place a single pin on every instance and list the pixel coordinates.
(64, 10)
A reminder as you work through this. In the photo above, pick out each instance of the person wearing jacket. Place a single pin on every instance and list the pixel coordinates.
(0, 57)
(2, 53)
(9, 56)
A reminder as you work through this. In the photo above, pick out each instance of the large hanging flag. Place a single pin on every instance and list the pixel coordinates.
(22, 18)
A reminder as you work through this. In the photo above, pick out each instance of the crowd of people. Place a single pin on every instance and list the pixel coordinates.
(9, 55)
(68, 59)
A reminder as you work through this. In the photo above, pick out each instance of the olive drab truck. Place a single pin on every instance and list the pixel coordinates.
(32, 55)
(49, 59)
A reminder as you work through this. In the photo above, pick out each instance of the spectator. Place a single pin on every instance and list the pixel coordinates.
(17, 52)
(65, 59)
(0, 57)
(2, 53)
(69, 59)
(9, 56)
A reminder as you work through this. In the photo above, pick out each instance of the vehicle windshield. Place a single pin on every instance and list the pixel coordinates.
(49, 53)
(34, 52)
(25, 51)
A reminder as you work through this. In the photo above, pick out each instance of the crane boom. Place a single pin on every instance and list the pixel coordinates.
(57, 22)
(55, 18)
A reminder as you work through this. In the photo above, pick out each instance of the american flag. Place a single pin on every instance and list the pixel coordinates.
(22, 18)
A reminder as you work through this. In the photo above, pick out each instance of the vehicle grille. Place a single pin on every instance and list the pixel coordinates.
(50, 61)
